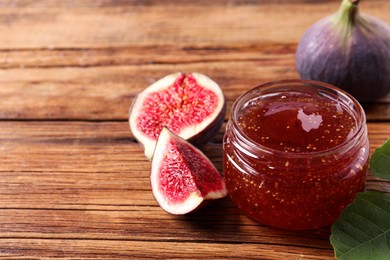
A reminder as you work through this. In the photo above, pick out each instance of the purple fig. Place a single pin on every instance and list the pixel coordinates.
(191, 105)
(350, 50)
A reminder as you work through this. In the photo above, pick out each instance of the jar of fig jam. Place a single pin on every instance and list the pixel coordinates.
(295, 153)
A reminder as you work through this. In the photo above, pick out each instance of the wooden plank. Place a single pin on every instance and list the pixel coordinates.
(42, 76)
(24, 26)
(106, 93)
(113, 135)
(60, 209)
(216, 224)
(266, 53)
(156, 249)
(116, 3)
(106, 198)
(77, 133)
(111, 169)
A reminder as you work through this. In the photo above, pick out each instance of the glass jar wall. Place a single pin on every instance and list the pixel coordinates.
(295, 153)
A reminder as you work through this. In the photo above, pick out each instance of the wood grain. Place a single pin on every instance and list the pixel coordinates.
(104, 67)
(113, 23)
(106, 93)
(74, 182)
(106, 202)
(176, 250)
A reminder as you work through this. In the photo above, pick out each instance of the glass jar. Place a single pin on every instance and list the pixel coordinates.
(295, 153)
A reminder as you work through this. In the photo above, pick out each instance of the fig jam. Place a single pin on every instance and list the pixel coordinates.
(295, 153)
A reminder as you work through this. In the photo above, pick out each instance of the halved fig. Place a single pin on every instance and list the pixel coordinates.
(182, 177)
(191, 106)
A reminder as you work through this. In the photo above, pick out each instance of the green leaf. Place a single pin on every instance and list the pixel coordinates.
(363, 229)
(380, 161)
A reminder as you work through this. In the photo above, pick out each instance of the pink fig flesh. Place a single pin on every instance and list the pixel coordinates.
(192, 106)
(182, 177)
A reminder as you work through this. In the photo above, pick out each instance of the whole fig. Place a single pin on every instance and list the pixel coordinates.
(350, 50)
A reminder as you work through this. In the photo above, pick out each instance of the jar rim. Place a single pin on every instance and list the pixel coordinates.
(355, 109)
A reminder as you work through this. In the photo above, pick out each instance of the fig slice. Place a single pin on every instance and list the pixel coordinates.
(191, 106)
(182, 177)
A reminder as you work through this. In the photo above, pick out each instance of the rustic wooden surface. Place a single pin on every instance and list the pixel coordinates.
(73, 181)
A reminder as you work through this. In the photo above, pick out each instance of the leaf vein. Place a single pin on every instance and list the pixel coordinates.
(377, 206)
(367, 220)
(366, 242)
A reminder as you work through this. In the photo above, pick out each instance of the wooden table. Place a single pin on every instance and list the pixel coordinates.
(74, 182)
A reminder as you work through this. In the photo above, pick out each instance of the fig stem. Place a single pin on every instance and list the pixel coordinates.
(347, 13)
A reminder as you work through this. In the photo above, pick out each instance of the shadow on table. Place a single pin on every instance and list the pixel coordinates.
(221, 221)
(215, 217)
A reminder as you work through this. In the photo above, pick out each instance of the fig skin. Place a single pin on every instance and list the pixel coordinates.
(349, 50)
(209, 132)
(198, 134)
